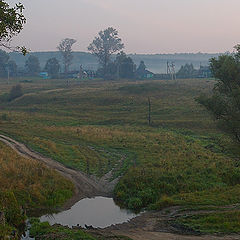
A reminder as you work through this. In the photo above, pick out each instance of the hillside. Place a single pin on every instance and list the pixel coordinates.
(98, 126)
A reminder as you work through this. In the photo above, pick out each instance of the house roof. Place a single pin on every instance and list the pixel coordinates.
(148, 72)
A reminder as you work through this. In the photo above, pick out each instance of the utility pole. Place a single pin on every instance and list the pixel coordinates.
(168, 68)
(171, 70)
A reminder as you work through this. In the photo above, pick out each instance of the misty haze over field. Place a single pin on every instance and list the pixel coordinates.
(157, 63)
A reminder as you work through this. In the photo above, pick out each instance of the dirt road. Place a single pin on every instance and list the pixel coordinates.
(84, 185)
(157, 226)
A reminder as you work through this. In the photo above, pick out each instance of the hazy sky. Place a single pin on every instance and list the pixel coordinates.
(145, 26)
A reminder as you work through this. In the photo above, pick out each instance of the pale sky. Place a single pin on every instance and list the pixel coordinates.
(145, 26)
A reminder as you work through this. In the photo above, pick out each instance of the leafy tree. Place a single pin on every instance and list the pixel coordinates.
(125, 66)
(141, 70)
(105, 45)
(12, 68)
(7, 65)
(224, 104)
(122, 67)
(187, 71)
(32, 65)
(65, 48)
(52, 67)
(11, 23)
(16, 91)
(4, 58)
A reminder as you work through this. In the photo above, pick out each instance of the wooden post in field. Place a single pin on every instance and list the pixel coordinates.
(149, 111)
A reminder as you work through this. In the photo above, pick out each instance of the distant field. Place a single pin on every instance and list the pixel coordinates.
(96, 126)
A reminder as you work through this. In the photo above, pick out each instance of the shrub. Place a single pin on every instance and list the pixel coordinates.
(16, 92)
(4, 117)
(135, 203)
(163, 202)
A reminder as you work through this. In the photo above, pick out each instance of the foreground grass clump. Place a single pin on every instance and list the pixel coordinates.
(26, 185)
(223, 222)
(42, 231)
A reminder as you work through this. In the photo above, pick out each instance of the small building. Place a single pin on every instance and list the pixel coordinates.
(142, 72)
(148, 74)
(44, 75)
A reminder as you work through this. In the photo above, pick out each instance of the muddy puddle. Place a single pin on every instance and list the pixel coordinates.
(98, 212)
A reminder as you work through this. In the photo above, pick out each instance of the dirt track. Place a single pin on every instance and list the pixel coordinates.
(148, 226)
(84, 185)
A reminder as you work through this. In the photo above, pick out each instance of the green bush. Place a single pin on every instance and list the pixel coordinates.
(163, 202)
(232, 176)
(135, 203)
(4, 117)
(16, 92)
(43, 230)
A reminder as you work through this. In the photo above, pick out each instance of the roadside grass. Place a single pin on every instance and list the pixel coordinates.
(96, 126)
(27, 184)
(221, 222)
(206, 199)
(43, 230)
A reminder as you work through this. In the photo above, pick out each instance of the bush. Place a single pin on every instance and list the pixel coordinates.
(163, 202)
(16, 92)
(4, 117)
(135, 203)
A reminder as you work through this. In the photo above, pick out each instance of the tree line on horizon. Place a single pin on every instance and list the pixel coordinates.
(103, 47)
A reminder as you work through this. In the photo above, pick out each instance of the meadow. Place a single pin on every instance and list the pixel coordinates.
(96, 126)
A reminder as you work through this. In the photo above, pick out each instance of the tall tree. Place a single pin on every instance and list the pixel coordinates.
(52, 67)
(141, 70)
(12, 68)
(65, 47)
(187, 71)
(4, 58)
(16, 92)
(11, 23)
(32, 65)
(104, 45)
(124, 66)
(224, 103)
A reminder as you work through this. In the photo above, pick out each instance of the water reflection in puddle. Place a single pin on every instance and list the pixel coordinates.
(98, 212)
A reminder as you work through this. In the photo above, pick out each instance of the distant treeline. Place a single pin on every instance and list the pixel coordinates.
(156, 63)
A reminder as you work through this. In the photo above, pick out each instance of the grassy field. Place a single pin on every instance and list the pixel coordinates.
(94, 126)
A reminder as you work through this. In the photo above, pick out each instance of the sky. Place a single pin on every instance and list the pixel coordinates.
(145, 26)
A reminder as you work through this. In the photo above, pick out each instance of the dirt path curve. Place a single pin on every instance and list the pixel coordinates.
(84, 185)
(156, 225)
